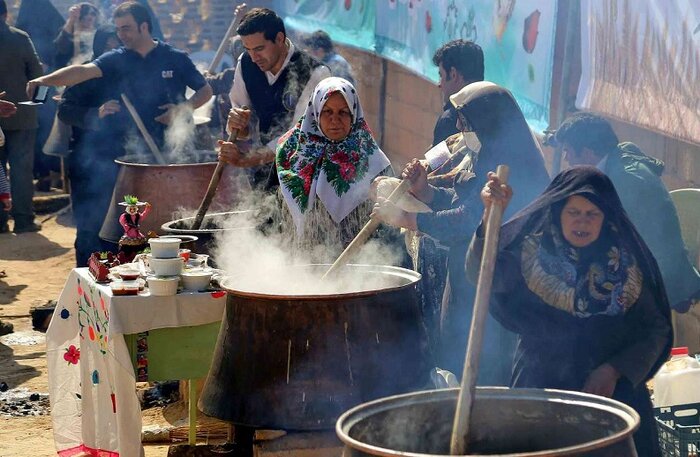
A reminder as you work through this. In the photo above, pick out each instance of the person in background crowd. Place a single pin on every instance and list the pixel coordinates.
(6, 109)
(74, 41)
(19, 64)
(98, 125)
(275, 80)
(494, 131)
(42, 28)
(221, 84)
(588, 139)
(152, 74)
(320, 46)
(575, 280)
(459, 62)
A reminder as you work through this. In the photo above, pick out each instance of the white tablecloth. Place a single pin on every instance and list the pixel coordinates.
(94, 407)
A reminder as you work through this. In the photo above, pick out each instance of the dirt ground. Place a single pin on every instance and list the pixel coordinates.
(36, 266)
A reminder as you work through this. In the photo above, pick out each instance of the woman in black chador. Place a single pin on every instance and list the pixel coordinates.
(578, 285)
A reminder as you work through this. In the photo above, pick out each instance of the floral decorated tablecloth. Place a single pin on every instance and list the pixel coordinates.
(94, 408)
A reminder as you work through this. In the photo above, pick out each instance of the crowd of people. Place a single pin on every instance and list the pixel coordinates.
(585, 282)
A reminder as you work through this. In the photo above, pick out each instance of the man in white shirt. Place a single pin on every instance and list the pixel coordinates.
(274, 80)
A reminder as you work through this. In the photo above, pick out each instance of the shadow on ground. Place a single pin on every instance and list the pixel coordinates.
(41, 248)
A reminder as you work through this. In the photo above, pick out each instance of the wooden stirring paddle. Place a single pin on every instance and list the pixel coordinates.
(367, 230)
(460, 427)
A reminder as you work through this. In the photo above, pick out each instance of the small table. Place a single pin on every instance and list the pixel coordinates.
(98, 345)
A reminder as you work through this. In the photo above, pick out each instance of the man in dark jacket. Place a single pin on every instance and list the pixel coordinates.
(19, 64)
(98, 126)
(588, 139)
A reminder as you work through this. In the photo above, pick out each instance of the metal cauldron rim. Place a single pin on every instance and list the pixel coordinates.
(347, 421)
(413, 276)
(122, 160)
(175, 231)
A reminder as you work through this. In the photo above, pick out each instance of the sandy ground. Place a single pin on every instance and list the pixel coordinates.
(36, 265)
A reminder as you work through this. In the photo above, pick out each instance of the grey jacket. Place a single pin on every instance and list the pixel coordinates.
(20, 64)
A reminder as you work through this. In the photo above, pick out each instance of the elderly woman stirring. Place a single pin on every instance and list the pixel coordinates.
(576, 282)
(493, 131)
(325, 165)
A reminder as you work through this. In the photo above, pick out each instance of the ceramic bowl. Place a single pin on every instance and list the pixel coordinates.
(196, 279)
(164, 248)
(166, 267)
(162, 286)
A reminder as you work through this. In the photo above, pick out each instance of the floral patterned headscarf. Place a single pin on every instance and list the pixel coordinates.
(339, 172)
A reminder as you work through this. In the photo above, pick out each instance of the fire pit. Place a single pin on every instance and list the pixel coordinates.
(171, 189)
(505, 422)
(296, 358)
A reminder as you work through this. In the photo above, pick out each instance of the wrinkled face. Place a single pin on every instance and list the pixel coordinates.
(129, 32)
(450, 83)
(336, 118)
(581, 221)
(267, 55)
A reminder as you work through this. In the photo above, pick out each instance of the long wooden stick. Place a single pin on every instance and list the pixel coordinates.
(224, 42)
(366, 231)
(142, 128)
(211, 190)
(465, 401)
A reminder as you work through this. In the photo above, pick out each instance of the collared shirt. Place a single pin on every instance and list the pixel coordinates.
(158, 78)
(239, 92)
(20, 64)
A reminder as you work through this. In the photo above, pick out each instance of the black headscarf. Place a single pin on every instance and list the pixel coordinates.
(102, 35)
(589, 182)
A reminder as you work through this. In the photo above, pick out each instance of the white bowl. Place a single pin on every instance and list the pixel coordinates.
(162, 286)
(164, 248)
(196, 279)
(166, 267)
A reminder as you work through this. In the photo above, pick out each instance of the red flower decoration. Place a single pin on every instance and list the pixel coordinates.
(91, 332)
(80, 290)
(72, 355)
(347, 171)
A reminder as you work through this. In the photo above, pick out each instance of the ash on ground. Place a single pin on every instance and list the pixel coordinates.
(21, 402)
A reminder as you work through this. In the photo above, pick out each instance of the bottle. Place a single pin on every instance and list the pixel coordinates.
(678, 380)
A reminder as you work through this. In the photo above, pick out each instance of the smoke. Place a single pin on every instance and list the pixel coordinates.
(179, 135)
(261, 253)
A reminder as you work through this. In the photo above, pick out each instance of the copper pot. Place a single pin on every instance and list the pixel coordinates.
(172, 189)
(297, 362)
(505, 422)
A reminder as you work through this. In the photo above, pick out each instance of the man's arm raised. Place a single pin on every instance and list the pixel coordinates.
(68, 76)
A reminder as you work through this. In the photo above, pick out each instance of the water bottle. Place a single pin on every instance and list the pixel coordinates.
(678, 380)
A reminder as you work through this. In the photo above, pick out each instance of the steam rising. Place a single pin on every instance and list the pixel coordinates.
(258, 261)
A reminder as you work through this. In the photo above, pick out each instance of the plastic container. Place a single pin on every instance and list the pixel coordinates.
(164, 248)
(679, 430)
(167, 267)
(196, 279)
(678, 380)
(163, 286)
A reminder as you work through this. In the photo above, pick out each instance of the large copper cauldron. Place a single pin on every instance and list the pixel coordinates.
(505, 422)
(298, 362)
(171, 189)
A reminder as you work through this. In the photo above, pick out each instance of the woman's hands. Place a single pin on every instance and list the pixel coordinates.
(391, 214)
(602, 381)
(495, 192)
(417, 174)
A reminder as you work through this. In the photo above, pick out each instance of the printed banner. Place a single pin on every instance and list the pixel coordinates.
(517, 37)
(641, 63)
